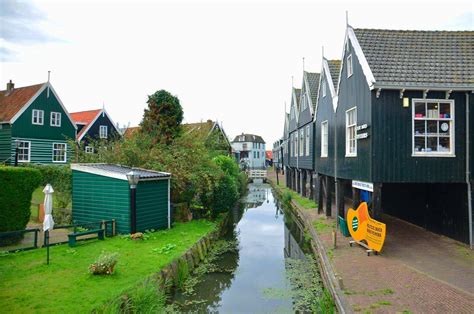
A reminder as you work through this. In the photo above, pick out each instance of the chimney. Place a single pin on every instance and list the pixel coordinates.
(10, 86)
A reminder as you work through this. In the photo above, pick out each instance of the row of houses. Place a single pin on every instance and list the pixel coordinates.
(36, 127)
(389, 123)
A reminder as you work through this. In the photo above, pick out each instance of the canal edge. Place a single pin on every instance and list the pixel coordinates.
(325, 267)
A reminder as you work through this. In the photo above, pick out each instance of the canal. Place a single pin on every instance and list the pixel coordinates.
(260, 265)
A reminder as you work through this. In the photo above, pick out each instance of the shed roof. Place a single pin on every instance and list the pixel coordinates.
(419, 58)
(119, 171)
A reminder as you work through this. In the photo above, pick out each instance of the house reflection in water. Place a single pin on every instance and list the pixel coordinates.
(257, 195)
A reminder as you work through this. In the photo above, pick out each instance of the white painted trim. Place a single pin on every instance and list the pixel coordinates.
(325, 122)
(27, 105)
(445, 88)
(65, 153)
(33, 116)
(350, 66)
(51, 119)
(452, 119)
(29, 151)
(102, 111)
(85, 168)
(103, 127)
(62, 105)
(348, 154)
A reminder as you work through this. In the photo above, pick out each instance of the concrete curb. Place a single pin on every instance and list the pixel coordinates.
(325, 267)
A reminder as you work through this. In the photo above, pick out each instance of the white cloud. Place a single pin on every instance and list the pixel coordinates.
(228, 61)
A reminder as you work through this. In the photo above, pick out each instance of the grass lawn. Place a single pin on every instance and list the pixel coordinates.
(302, 201)
(28, 285)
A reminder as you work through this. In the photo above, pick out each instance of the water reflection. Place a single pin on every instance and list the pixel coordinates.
(264, 241)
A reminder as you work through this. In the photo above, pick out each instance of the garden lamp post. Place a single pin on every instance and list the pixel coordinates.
(17, 142)
(133, 179)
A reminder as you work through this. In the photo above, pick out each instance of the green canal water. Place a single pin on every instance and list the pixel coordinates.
(258, 267)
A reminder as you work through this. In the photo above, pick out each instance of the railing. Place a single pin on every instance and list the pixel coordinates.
(257, 174)
(20, 240)
(28, 239)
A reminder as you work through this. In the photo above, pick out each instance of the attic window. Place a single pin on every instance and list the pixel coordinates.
(103, 131)
(55, 119)
(349, 66)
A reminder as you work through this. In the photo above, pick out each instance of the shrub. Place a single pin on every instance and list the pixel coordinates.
(225, 196)
(183, 273)
(16, 188)
(228, 165)
(60, 177)
(105, 264)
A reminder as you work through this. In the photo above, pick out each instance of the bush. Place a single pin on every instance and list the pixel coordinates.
(16, 188)
(105, 264)
(228, 165)
(226, 194)
(60, 177)
(62, 216)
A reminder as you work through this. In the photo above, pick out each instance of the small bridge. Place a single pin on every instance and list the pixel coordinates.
(257, 174)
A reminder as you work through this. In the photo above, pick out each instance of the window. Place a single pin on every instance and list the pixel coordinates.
(38, 117)
(324, 87)
(324, 139)
(258, 155)
(103, 131)
(59, 152)
(307, 140)
(55, 119)
(24, 149)
(433, 127)
(349, 66)
(89, 149)
(254, 155)
(351, 141)
(301, 141)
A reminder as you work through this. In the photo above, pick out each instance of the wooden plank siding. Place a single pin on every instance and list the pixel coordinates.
(94, 130)
(324, 112)
(97, 197)
(391, 133)
(152, 205)
(41, 150)
(5, 143)
(354, 92)
(305, 118)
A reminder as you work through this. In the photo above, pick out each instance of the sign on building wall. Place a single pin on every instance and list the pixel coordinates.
(361, 185)
(363, 227)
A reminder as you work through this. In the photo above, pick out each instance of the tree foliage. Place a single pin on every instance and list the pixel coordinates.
(163, 117)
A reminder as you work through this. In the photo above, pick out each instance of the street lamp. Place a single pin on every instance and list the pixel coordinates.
(17, 142)
(133, 179)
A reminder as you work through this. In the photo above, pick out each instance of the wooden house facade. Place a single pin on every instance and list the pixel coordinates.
(35, 126)
(293, 179)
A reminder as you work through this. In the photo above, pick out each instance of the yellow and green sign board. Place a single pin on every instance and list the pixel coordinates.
(364, 228)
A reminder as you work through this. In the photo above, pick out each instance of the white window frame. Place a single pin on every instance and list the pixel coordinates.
(348, 128)
(324, 87)
(56, 118)
(101, 128)
(350, 69)
(56, 149)
(29, 151)
(307, 139)
(38, 115)
(89, 149)
(324, 138)
(301, 142)
(450, 120)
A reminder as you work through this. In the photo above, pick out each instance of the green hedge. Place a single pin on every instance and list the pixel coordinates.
(16, 187)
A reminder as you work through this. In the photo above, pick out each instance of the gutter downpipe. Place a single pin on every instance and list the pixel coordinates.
(468, 172)
(335, 172)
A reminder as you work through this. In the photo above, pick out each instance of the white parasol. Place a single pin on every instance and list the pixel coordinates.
(48, 223)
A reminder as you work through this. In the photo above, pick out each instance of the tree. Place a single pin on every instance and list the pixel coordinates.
(163, 117)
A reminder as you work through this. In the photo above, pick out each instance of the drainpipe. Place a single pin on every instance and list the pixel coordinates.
(468, 181)
(335, 172)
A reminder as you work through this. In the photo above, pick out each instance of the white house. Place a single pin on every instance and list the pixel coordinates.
(249, 151)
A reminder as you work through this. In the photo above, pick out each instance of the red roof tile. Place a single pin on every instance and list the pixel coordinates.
(12, 102)
(268, 154)
(85, 118)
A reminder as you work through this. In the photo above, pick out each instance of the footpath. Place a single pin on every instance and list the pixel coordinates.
(416, 272)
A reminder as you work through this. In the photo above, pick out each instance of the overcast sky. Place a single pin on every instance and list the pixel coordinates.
(224, 60)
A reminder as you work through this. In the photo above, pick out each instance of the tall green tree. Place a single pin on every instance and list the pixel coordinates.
(163, 117)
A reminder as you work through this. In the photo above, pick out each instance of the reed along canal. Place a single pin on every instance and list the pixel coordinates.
(258, 266)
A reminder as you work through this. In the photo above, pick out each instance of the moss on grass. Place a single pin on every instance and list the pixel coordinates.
(65, 286)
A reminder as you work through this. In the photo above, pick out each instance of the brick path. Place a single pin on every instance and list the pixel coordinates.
(418, 271)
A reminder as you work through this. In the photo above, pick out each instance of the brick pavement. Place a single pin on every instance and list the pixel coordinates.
(418, 271)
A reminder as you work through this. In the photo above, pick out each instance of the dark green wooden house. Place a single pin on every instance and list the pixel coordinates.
(403, 117)
(35, 127)
(102, 192)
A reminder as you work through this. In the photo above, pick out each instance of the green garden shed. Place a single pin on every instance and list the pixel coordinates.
(137, 199)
